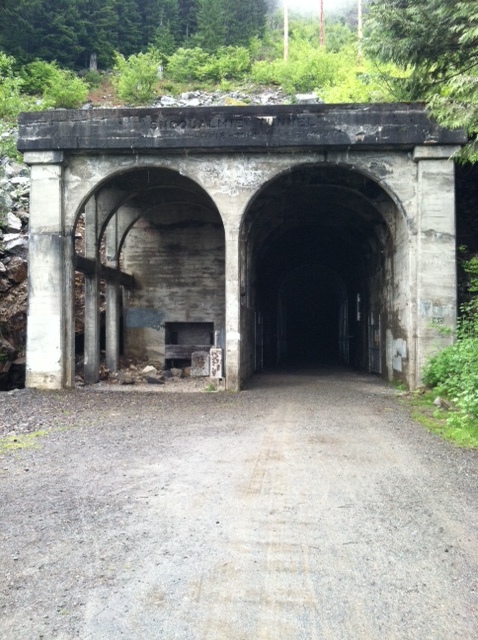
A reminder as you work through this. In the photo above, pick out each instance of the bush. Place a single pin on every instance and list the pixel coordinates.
(11, 102)
(37, 75)
(228, 63)
(59, 88)
(137, 76)
(188, 64)
(196, 65)
(454, 371)
(307, 69)
(65, 91)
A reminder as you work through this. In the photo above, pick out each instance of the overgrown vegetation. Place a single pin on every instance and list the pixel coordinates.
(453, 373)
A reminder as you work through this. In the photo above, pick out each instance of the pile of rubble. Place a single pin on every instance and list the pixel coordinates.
(148, 376)
(14, 214)
(223, 98)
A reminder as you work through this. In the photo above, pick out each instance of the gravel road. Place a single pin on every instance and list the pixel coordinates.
(308, 506)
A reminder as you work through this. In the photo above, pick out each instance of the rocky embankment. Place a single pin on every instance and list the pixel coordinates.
(14, 214)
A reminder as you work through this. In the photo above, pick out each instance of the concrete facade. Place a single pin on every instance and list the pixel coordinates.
(292, 234)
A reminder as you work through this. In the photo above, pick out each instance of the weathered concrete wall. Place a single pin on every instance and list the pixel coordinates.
(191, 273)
(178, 261)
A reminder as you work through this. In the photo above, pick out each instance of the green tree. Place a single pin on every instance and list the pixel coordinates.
(32, 29)
(188, 10)
(211, 20)
(437, 41)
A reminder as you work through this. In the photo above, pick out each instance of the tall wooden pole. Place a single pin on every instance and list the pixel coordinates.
(322, 24)
(359, 30)
(286, 31)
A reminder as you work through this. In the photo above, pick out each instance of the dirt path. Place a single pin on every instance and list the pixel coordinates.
(307, 507)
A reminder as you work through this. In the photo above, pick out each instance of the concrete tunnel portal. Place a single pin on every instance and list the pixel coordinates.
(303, 234)
(317, 252)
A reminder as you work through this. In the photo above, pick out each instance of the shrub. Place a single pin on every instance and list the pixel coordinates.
(65, 91)
(188, 64)
(307, 69)
(37, 75)
(11, 102)
(136, 77)
(228, 63)
(60, 89)
(454, 372)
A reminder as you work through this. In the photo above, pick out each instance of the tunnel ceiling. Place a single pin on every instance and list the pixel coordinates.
(147, 188)
(318, 215)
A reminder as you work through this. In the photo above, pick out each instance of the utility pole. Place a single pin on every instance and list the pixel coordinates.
(286, 31)
(359, 30)
(322, 24)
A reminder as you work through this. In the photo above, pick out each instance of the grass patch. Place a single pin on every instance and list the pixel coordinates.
(449, 425)
(10, 444)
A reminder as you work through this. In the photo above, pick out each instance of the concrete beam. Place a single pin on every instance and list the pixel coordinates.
(89, 266)
(205, 129)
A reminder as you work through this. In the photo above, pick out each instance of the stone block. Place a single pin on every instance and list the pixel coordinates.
(215, 356)
(199, 364)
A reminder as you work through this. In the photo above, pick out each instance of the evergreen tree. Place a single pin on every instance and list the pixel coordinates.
(437, 41)
(129, 35)
(212, 28)
(97, 31)
(188, 10)
(159, 17)
(245, 20)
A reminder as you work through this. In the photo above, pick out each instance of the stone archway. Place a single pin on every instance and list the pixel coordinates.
(367, 187)
(163, 228)
(325, 251)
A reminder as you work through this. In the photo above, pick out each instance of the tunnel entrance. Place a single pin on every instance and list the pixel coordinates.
(311, 301)
(317, 264)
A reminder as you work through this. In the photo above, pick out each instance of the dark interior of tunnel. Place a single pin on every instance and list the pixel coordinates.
(315, 238)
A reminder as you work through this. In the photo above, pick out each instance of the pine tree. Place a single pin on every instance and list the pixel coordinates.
(437, 41)
(212, 28)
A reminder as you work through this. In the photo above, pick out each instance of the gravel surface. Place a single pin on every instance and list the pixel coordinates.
(309, 506)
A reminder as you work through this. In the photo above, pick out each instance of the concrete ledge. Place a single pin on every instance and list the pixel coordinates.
(434, 152)
(44, 157)
(205, 129)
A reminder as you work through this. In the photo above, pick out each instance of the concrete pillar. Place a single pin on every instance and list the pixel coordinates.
(49, 294)
(233, 302)
(92, 298)
(436, 252)
(112, 298)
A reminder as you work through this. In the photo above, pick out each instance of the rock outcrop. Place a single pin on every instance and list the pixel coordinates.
(14, 214)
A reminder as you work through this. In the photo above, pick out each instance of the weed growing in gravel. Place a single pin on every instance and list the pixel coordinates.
(442, 422)
(9, 444)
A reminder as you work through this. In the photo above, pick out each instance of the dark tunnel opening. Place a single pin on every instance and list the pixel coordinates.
(315, 243)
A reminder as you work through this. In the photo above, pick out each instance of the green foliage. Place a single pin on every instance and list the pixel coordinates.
(443, 423)
(228, 63)
(65, 91)
(197, 65)
(10, 89)
(306, 70)
(188, 64)
(437, 41)
(454, 371)
(137, 76)
(37, 75)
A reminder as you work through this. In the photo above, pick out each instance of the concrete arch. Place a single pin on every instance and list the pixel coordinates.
(80, 192)
(338, 206)
(369, 168)
(398, 249)
(114, 210)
